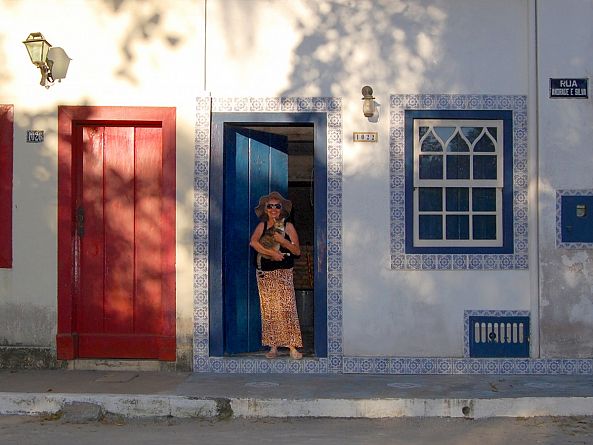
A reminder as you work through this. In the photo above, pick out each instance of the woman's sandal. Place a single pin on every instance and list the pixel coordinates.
(295, 355)
(272, 354)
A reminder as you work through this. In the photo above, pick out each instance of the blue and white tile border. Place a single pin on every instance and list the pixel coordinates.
(559, 195)
(202, 362)
(484, 313)
(448, 366)
(399, 103)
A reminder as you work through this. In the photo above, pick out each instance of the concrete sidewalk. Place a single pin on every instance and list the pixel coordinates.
(143, 394)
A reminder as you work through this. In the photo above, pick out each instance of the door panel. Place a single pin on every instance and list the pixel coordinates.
(92, 255)
(120, 265)
(147, 229)
(118, 230)
(255, 163)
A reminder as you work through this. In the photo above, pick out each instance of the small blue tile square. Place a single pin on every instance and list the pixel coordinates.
(492, 367)
(537, 367)
(382, 366)
(397, 366)
(366, 366)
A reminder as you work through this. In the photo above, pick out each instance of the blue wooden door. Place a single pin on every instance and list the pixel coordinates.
(255, 163)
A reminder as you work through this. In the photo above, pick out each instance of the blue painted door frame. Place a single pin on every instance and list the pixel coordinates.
(223, 176)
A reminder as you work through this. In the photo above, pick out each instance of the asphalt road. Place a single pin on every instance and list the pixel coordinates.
(17, 430)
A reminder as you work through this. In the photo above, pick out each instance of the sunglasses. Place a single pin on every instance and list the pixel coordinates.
(273, 206)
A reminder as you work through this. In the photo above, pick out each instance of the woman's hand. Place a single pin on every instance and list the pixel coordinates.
(279, 238)
(277, 256)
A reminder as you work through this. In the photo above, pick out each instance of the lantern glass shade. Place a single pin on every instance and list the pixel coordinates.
(58, 61)
(368, 106)
(37, 47)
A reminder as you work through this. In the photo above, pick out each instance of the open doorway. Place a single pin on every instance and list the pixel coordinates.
(300, 151)
(251, 155)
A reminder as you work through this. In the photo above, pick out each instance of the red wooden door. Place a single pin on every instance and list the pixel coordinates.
(121, 293)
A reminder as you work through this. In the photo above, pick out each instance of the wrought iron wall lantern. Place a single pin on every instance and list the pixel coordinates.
(52, 61)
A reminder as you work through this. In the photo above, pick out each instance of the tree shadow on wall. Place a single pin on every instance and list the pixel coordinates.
(146, 23)
(345, 44)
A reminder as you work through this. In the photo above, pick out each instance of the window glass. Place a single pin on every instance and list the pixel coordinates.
(431, 227)
(484, 199)
(484, 227)
(458, 167)
(431, 199)
(444, 132)
(484, 144)
(457, 227)
(431, 143)
(471, 133)
(431, 167)
(457, 199)
(458, 144)
(485, 167)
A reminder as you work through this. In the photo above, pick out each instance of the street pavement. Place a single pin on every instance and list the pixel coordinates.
(143, 394)
(26, 430)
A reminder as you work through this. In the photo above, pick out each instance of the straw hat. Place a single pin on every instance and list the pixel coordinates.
(260, 210)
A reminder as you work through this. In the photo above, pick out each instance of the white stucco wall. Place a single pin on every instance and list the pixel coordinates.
(333, 48)
(124, 53)
(565, 136)
(459, 48)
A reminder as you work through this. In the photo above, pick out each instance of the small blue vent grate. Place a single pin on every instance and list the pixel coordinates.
(498, 336)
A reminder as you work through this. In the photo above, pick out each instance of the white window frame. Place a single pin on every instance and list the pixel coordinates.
(444, 183)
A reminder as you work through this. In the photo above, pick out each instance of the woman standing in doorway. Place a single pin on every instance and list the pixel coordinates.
(280, 322)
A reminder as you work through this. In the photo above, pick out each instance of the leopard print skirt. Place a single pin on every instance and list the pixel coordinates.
(280, 321)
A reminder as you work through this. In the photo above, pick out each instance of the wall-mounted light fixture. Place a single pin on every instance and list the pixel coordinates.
(368, 104)
(52, 61)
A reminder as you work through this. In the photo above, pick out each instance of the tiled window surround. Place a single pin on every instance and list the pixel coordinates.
(404, 258)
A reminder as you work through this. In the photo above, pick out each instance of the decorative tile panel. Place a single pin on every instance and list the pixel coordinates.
(202, 360)
(400, 260)
(484, 313)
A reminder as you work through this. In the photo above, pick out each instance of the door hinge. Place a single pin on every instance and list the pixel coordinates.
(80, 221)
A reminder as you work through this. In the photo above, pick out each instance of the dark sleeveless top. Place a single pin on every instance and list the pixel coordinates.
(286, 263)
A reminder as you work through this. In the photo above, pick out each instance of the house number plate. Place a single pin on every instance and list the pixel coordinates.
(35, 136)
(360, 136)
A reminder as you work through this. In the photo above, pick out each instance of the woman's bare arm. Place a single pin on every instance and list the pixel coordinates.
(293, 245)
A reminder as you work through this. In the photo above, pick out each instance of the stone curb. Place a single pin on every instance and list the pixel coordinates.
(392, 408)
(127, 405)
(132, 405)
